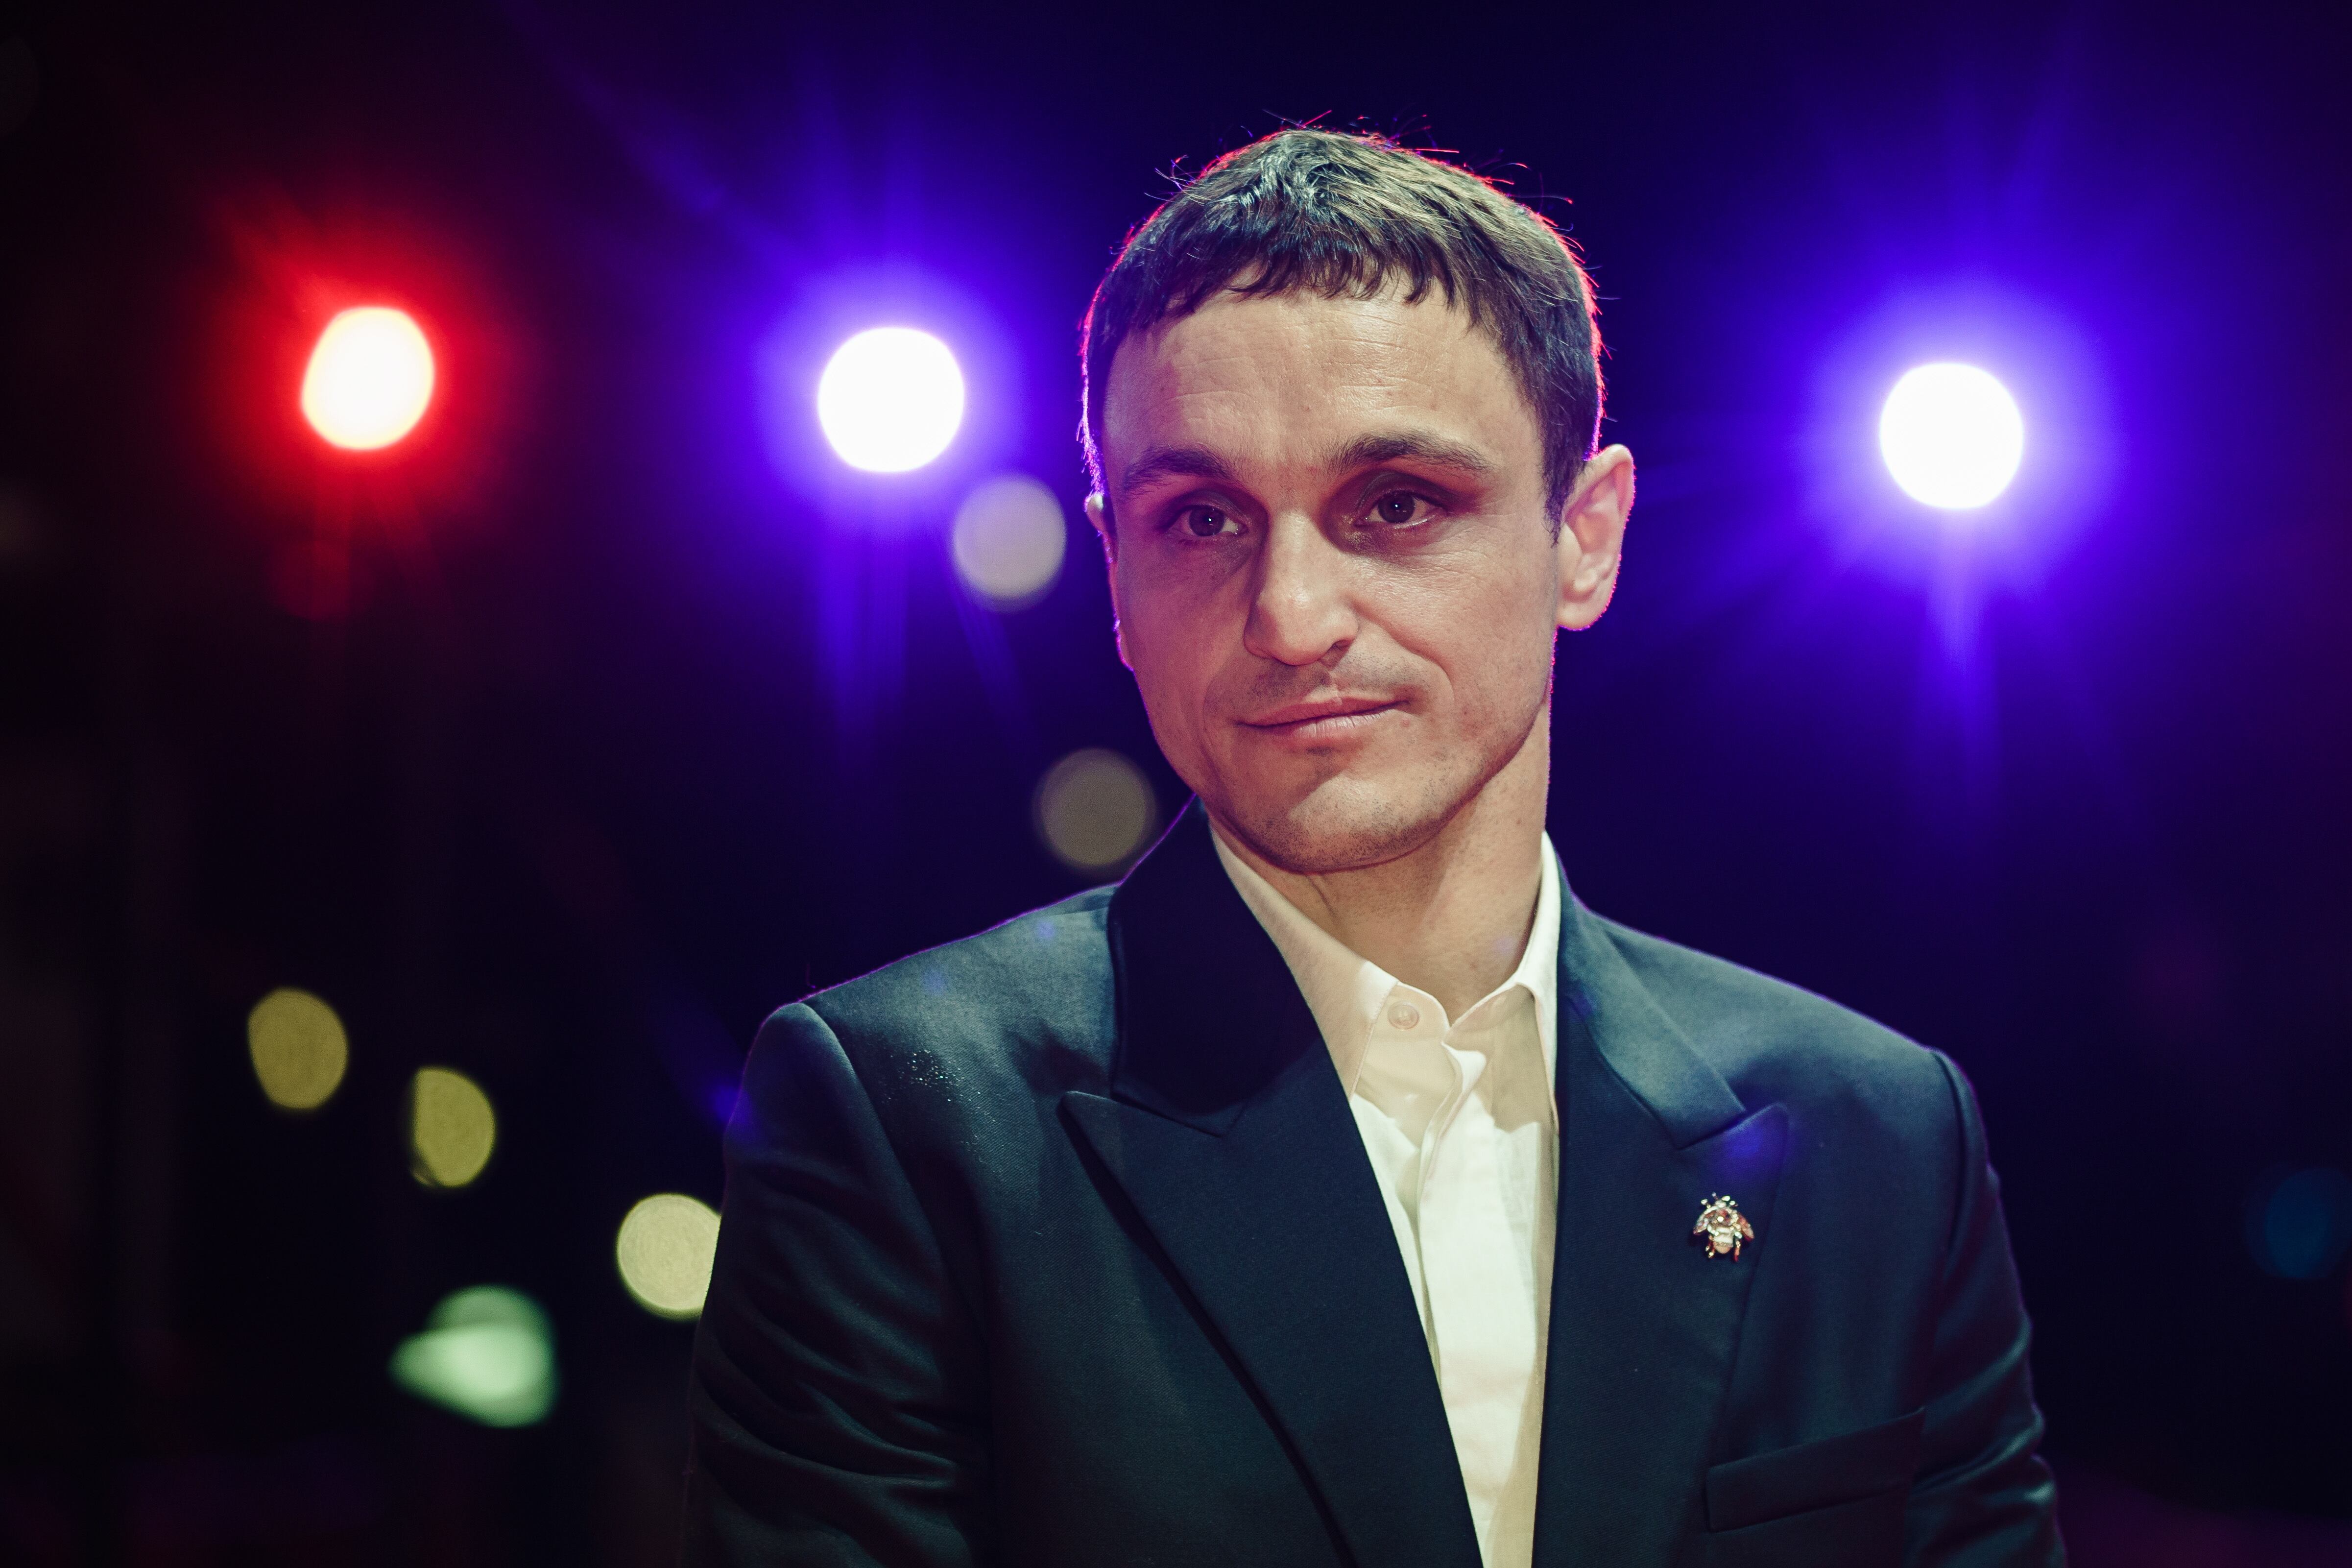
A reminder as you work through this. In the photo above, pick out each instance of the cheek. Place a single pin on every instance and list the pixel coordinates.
(1485, 629)
(1170, 641)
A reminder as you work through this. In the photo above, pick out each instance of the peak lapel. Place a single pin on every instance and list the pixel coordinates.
(1229, 1133)
(1644, 1324)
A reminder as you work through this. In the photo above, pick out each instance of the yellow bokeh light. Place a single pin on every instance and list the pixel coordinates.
(1094, 810)
(451, 1128)
(664, 1248)
(1008, 541)
(300, 1051)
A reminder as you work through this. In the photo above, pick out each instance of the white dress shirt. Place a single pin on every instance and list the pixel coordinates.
(1458, 1118)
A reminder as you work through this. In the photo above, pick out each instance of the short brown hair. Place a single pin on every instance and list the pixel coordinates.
(1345, 214)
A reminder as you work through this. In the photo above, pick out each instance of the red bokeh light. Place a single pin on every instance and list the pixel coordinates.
(370, 379)
(337, 492)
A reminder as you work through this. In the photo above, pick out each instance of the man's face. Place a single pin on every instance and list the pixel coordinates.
(1335, 578)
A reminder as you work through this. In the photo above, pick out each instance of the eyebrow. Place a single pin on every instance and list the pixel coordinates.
(1364, 452)
(1370, 451)
(1173, 462)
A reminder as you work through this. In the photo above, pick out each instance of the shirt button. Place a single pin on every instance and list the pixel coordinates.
(1404, 1015)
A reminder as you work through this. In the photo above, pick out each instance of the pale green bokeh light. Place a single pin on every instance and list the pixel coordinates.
(487, 1353)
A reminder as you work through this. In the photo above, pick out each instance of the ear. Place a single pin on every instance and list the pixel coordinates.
(1592, 536)
(1099, 514)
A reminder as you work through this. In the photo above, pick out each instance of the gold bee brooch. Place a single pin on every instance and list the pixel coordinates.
(1724, 1226)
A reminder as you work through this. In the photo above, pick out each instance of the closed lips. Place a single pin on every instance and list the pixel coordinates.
(1304, 713)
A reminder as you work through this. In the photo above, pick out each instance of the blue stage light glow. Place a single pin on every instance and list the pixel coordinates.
(890, 399)
(1915, 450)
(1951, 435)
(883, 392)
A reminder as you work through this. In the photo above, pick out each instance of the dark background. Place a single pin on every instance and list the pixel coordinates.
(620, 731)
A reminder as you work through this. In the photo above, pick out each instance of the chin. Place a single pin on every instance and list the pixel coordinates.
(1341, 825)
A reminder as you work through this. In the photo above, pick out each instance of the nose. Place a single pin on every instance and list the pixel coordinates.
(1301, 612)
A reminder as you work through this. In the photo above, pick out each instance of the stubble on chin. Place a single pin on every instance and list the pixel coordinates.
(1340, 824)
(1351, 822)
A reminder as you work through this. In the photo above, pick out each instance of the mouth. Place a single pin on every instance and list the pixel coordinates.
(1330, 719)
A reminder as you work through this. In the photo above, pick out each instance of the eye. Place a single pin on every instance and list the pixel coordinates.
(1206, 523)
(1401, 509)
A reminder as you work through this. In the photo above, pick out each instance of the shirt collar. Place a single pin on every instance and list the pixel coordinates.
(1346, 990)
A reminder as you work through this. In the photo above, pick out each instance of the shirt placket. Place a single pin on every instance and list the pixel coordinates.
(1482, 1327)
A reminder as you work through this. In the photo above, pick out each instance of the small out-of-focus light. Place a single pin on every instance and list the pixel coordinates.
(1951, 435)
(890, 399)
(1008, 541)
(300, 1051)
(2299, 1226)
(664, 1250)
(451, 1128)
(486, 1353)
(370, 380)
(1094, 810)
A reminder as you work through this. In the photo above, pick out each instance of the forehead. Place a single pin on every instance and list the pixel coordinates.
(1275, 381)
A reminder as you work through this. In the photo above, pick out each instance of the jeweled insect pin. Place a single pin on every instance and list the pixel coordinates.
(1724, 1226)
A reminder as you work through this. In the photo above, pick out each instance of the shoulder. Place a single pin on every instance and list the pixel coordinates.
(1773, 1041)
(1049, 963)
(984, 1007)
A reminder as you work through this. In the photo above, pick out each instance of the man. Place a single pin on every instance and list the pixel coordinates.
(1337, 1189)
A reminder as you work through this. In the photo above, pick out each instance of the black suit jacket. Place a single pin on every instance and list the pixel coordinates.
(1059, 1246)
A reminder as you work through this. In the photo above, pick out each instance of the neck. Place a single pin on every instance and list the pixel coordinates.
(1450, 917)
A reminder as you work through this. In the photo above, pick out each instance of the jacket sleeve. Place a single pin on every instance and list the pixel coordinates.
(1982, 1497)
(837, 1398)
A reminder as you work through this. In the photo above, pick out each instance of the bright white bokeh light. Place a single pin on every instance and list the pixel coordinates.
(370, 379)
(891, 399)
(1951, 435)
(1008, 541)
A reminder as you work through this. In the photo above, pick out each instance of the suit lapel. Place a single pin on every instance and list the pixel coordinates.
(1229, 1133)
(1643, 1325)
